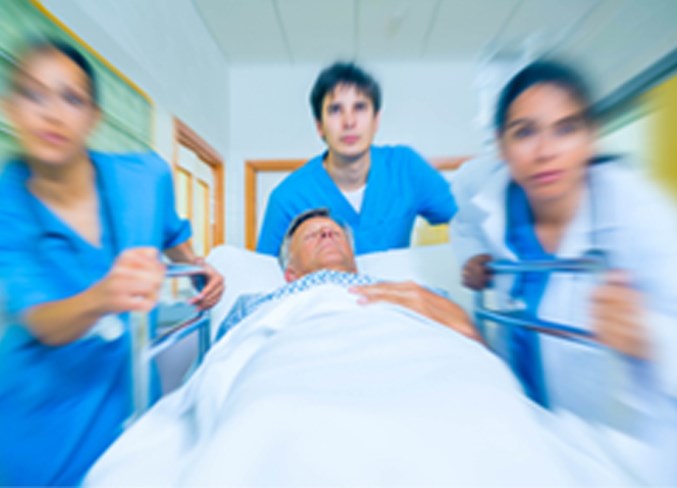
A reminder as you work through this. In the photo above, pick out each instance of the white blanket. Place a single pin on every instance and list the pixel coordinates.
(317, 390)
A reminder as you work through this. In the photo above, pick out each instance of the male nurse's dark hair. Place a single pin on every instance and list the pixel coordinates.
(348, 74)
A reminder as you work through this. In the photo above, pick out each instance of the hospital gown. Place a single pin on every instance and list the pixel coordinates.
(250, 302)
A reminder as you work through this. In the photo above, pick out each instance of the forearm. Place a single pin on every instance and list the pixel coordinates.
(132, 284)
(419, 299)
(63, 321)
(210, 294)
(448, 313)
(183, 253)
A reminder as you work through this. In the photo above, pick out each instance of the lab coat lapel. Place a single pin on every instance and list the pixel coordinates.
(577, 237)
(490, 207)
(567, 297)
(582, 234)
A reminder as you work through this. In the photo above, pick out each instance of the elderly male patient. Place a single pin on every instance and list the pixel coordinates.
(317, 249)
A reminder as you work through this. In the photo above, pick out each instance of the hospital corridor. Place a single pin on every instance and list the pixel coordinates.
(360, 243)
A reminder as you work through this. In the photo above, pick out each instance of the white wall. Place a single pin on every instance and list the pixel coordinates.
(430, 106)
(632, 140)
(162, 46)
(260, 111)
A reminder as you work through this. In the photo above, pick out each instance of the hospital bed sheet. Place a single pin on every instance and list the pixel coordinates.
(318, 390)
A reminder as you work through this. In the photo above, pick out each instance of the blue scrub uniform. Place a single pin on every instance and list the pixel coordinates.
(62, 406)
(400, 186)
(521, 238)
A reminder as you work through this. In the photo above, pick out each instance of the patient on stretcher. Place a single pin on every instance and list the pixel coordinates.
(318, 250)
(312, 388)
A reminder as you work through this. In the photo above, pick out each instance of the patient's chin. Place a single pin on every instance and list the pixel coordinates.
(334, 262)
(290, 275)
(334, 259)
(343, 267)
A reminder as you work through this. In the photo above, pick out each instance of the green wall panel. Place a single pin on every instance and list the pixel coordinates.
(126, 123)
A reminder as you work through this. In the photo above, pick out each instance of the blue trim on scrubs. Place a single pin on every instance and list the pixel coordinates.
(62, 406)
(400, 186)
(521, 239)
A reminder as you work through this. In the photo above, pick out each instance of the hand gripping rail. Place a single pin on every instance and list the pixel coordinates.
(146, 344)
(592, 263)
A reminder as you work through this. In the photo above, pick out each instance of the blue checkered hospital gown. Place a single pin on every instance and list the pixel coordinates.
(249, 303)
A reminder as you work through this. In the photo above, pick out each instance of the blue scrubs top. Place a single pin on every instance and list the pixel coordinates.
(62, 406)
(524, 347)
(400, 186)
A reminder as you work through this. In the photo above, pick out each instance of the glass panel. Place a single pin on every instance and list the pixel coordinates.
(183, 182)
(206, 175)
(200, 222)
(266, 181)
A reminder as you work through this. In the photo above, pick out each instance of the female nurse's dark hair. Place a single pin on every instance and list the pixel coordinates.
(540, 73)
(343, 74)
(43, 46)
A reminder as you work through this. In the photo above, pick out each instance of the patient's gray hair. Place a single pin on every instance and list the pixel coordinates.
(283, 256)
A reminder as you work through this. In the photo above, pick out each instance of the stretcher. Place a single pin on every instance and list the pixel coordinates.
(593, 263)
(148, 340)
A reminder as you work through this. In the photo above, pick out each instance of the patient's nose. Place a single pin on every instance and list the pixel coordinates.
(326, 232)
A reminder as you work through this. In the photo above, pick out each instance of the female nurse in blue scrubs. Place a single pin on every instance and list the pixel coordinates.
(80, 236)
(555, 199)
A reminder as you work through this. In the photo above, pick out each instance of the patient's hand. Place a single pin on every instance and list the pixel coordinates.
(617, 316)
(419, 299)
(476, 275)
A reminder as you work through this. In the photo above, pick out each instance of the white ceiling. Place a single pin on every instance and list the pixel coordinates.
(619, 37)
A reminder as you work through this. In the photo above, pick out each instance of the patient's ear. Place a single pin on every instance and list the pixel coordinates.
(289, 274)
(320, 129)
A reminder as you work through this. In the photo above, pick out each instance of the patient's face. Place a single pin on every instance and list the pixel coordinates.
(319, 243)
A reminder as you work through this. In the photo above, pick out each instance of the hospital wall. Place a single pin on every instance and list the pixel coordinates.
(249, 112)
(259, 112)
(176, 62)
(643, 129)
(430, 106)
(663, 143)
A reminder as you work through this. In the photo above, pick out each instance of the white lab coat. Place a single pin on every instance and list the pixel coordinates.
(628, 218)
(467, 181)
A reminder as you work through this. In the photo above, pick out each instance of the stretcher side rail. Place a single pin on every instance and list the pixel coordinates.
(593, 263)
(147, 342)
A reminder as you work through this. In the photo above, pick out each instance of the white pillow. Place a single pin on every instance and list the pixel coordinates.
(434, 266)
(250, 272)
(244, 272)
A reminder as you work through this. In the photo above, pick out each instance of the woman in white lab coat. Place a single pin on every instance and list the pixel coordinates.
(555, 199)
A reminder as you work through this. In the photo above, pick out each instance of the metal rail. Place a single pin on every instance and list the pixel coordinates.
(147, 343)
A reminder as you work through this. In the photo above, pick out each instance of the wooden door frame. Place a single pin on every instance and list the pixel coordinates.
(445, 163)
(254, 167)
(185, 136)
(251, 170)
